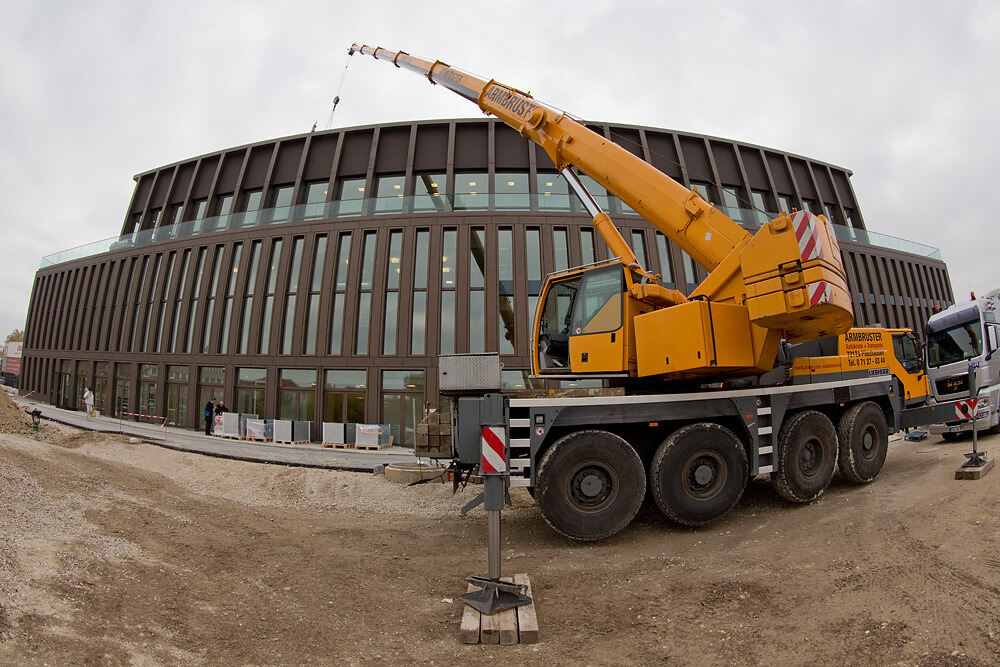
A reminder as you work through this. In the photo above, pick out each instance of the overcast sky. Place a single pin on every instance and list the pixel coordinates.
(905, 94)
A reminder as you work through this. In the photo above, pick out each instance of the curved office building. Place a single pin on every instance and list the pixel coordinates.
(319, 276)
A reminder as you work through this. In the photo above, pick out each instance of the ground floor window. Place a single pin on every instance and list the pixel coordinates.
(82, 380)
(148, 378)
(123, 388)
(102, 376)
(344, 396)
(211, 384)
(177, 395)
(403, 403)
(250, 386)
(297, 394)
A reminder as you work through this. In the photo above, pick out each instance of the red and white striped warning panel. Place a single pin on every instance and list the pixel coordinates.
(819, 292)
(967, 409)
(810, 241)
(493, 449)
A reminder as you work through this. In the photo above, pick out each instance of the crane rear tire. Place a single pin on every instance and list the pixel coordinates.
(806, 457)
(863, 442)
(698, 473)
(590, 485)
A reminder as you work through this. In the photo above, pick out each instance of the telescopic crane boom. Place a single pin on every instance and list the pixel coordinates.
(787, 280)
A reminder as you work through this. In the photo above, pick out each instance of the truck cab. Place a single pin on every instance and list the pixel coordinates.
(965, 335)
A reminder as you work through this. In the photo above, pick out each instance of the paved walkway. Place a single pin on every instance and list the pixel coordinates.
(186, 440)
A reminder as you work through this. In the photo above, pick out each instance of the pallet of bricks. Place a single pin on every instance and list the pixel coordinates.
(434, 436)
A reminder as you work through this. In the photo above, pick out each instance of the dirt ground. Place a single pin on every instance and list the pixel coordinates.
(119, 553)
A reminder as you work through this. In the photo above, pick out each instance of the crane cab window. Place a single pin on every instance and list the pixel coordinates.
(598, 305)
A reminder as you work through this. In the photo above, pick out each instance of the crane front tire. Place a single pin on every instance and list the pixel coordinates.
(806, 457)
(698, 473)
(590, 485)
(864, 442)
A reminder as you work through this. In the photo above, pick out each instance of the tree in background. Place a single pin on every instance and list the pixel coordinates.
(15, 336)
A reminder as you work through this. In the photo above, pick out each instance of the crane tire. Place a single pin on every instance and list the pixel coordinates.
(590, 485)
(863, 442)
(698, 473)
(806, 457)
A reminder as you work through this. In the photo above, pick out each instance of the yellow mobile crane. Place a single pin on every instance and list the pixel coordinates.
(587, 460)
(615, 319)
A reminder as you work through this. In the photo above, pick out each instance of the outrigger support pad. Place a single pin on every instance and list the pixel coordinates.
(495, 595)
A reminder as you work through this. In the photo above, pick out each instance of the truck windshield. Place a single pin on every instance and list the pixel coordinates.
(960, 341)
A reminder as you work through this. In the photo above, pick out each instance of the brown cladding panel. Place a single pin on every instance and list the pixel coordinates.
(779, 172)
(843, 188)
(287, 165)
(663, 154)
(163, 178)
(543, 160)
(471, 146)
(393, 143)
(432, 148)
(823, 180)
(142, 193)
(725, 162)
(628, 139)
(696, 159)
(355, 154)
(260, 157)
(231, 165)
(319, 161)
(753, 165)
(182, 183)
(203, 179)
(802, 178)
(510, 148)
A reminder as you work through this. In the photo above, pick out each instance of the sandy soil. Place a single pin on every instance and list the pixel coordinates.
(118, 553)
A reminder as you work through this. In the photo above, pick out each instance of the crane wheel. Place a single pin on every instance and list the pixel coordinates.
(590, 485)
(864, 442)
(698, 473)
(807, 457)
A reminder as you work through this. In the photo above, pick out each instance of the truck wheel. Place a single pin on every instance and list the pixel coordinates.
(698, 473)
(807, 457)
(864, 441)
(590, 485)
(950, 437)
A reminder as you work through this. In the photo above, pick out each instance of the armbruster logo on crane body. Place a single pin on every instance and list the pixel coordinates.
(511, 101)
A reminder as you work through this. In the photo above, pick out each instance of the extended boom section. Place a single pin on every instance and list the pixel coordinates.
(787, 280)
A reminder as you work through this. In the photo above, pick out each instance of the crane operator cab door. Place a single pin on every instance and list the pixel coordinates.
(580, 323)
(906, 349)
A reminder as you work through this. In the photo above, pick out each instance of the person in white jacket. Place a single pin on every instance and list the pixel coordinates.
(88, 402)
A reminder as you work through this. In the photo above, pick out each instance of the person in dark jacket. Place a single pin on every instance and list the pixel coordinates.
(209, 416)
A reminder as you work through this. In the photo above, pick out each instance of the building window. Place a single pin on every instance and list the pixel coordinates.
(534, 273)
(421, 265)
(393, 267)
(315, 287)
(248, 293)
(123, 388)
(428, 193)
(666, 266)
(553, 192)
(150, 306)
(587, 251)
(138, 305)
(389, 194)
(505, 299)
(705, 190)
(178, 299)
(148, 374)
(785, 204)
(177, 395)
(193, 308)
(161, 325)
(560, 248)
(227, 311)
(344, 396)
(211, 381)
(206, 335)
(251, 385)
(281, 203)
(403, 403)
(472, 191)
(297, 394)
(340, 294)
(350, 195)
(449, 264)
(597, 191)
(639, 247)
(251, 208)
(315, 195)
(268, 314)
(477, 294)
(690, 271)
(519, 381)
(365, 295)
(292, 292)
(511, 191)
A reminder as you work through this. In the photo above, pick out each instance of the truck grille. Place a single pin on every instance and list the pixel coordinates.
(953, 385)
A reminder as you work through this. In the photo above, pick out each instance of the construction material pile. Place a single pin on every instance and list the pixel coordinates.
(12, 418)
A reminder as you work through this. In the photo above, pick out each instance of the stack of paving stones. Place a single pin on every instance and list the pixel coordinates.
(434, 436)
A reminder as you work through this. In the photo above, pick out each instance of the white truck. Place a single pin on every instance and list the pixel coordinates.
(962, 337)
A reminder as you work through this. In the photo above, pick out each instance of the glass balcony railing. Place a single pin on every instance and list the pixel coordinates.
(748, 218)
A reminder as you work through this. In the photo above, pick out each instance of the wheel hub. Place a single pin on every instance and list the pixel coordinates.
(810, 457)
(591, 487)
(706, 475)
